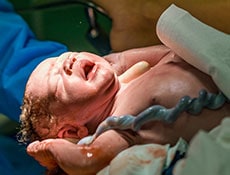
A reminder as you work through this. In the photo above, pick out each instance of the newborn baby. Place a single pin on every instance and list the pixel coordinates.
(69, 96)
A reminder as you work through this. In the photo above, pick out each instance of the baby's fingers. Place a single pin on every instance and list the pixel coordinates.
(41, 151)
(33, 147)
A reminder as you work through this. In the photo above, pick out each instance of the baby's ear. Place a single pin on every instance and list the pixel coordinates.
(82, 132)
(71, 131)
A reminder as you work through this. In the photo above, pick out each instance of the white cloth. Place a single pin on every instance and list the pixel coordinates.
(149, 159)
(208, 153)
(198, 44)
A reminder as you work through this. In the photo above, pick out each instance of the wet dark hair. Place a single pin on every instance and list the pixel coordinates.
(36, 119)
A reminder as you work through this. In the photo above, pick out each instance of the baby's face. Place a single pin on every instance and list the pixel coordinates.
(76, 80)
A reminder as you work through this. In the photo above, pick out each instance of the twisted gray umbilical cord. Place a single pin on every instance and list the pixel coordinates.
(159, 113)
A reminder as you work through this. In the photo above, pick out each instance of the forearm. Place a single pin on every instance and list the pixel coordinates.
(122, 61)
(103, 150)
(142, 17)
(78, 159)
(212, 12)
(96, 156)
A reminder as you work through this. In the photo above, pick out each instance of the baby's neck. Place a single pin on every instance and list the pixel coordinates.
(109, 108)
(100, 114)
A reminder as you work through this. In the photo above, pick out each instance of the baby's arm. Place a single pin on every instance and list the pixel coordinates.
(78, 159)
(124, 60)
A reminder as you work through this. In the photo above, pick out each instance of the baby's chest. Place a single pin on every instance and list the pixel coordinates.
(134, 100)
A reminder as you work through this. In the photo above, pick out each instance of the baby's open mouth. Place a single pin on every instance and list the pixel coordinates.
(88, 70)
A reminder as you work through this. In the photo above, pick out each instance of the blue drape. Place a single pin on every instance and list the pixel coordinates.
(20, 52)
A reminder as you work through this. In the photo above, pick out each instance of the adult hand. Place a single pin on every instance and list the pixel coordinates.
(77, 159)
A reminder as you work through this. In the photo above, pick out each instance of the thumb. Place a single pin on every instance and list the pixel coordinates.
(135, 71)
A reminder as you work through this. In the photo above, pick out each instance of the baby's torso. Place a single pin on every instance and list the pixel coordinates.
(163, 84)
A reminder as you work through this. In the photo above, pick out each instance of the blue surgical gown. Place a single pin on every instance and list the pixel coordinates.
(20, 53)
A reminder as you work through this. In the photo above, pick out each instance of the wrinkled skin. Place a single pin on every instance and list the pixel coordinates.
(168, 79)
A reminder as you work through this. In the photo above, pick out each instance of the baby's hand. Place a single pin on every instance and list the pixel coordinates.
(42, 152)
(54, 153)
(135, 71)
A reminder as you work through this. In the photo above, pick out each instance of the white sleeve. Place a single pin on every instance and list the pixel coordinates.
(198, 44)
